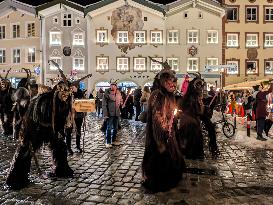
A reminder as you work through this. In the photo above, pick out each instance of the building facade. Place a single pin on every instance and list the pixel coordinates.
(63, 27)
(248, 39)
(122, 36)
(194, 37)
(19, 40)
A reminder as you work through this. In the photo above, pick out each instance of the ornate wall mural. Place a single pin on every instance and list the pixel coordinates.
(126, 18)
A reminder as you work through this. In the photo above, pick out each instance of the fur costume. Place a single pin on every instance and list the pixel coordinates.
(163, 162)
(21, 99)
(43, 123)
(6, 113)
(190, 124)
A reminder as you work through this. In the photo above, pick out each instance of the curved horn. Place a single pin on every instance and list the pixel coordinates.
(155, 60)
(60, 70)
(199, 74)
(7, 73)
(28, 77)
(78, 81)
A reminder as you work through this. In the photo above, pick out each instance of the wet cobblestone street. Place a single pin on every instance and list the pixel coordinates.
(240, 175)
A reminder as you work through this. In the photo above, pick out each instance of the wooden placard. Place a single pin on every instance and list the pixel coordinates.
(84, 105)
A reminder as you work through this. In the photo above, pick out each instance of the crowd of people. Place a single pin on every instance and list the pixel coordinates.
(37, 114)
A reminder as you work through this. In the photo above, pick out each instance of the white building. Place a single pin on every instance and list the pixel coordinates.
(186, 33)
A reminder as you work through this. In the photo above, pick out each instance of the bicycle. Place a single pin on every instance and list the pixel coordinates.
(227, 128)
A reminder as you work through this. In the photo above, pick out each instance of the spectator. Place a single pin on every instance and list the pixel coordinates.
(137, 103)
(261, 111)
(78, 119)
(111, 110)
(145, 98)
(211, 91)
(98, 101)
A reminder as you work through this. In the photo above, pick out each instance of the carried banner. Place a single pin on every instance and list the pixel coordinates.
(84, 105)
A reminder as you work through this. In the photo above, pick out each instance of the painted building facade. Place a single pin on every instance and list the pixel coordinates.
(123, 34)
(19, 40)
(188, 34)
(248, 39)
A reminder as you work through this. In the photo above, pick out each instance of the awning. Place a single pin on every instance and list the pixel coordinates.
(244, 85)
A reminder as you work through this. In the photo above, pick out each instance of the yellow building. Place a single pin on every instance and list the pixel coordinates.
(248, 40)
(19, 40)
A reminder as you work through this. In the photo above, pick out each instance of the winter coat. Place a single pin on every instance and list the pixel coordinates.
(111, 103)
(262, 103)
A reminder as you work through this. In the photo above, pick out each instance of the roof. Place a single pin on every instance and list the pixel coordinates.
(147, 3)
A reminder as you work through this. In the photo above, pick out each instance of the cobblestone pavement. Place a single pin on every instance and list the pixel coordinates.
(240, 175)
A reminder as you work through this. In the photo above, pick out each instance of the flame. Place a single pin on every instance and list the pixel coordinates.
(175, 111)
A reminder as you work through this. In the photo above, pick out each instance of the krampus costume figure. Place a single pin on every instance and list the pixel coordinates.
(43, 122)
(21, 99)
(163, 162)
(6, 113)
(190, 129)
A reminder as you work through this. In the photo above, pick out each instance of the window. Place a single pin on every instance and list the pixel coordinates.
(102, 64)
(268, 40)
(55, 38)
(192, 36)
(156, 37)
(16, 53)
(67, 20)
(211, 65)
(139, 64)
(232, 14)
(186, 15)
(232, 40)
(55, 20)
(77, 20)
(56, 60)
(251, 67)
(212, 61)
(30, 29)
(78, 64)
(16, 31)
(173, 62)
(2, 55)
(200, 15)
(2, 32)
(173, 36)
(140, 37)
(212, 37)
(268, 14)
(122, 37)
(78, 39)
(268, 67)
(251, 40)
(31, 55)
(122, 64)
(251, 14)
(102, 36)
(235, 67)
(192, 64)
(156, 66)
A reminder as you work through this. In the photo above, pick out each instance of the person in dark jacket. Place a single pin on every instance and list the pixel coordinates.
(78, 118)
(137, 103)
(261, 111)
(111, 102)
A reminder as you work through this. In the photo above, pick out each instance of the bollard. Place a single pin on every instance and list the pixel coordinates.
(234, 114)
(248, 125)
